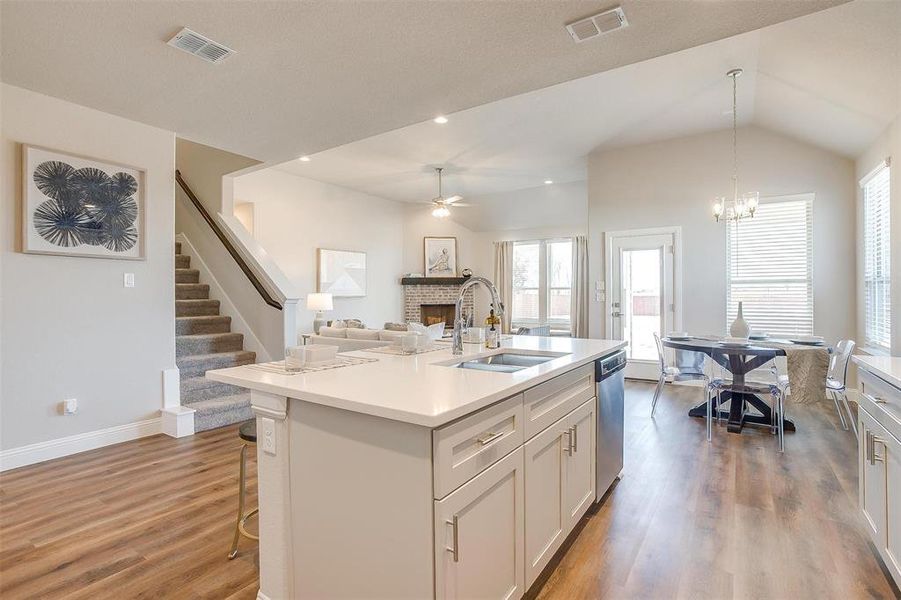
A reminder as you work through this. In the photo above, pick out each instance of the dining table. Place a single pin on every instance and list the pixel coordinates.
(739, 360)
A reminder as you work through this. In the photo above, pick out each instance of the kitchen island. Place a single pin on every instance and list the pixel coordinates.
(423, 476)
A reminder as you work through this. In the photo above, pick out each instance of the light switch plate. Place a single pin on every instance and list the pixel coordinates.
(129, 280)
(268, 439)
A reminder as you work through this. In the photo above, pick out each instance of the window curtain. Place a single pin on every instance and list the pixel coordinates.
(503, 279)
(579, 308)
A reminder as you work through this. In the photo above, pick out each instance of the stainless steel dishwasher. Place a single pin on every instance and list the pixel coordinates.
(610, 380)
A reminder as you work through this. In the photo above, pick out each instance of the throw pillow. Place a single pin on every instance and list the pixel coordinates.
(389, 326)
(354, 333)
(333, 332)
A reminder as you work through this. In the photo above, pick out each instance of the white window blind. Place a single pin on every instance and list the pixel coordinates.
(877, 259)
(769, 267)
(542, 283)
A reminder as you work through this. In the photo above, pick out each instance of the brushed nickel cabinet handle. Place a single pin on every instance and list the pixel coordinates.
(455, 543)
(575, 438)
(878, 440)
(489, 437)
(569, 441)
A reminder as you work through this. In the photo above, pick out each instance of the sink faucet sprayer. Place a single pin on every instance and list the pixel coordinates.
(459, 322)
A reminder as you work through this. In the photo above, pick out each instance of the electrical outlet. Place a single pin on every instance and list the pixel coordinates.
(129, 280)
(268, 439)
(70, 406)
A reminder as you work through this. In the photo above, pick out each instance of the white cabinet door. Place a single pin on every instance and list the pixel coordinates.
(479, 535)
(560, 484)
(872, 484)
(546, 518)
(891, 448)
(579, 478)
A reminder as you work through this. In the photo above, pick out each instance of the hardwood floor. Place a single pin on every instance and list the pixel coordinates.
(732, 519)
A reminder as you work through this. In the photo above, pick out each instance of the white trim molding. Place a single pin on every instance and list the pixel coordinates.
(73, 444)
(178, 421)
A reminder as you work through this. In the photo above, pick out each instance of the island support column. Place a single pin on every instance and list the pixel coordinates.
(273, 483)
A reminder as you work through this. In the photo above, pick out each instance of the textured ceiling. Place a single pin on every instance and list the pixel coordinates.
(831, 79)
(317, 74)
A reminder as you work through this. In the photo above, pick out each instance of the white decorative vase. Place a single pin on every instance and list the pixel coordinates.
(740, 327)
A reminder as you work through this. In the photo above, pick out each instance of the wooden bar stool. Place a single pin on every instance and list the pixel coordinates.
(247, 432)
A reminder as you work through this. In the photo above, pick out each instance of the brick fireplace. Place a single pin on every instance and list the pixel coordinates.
(429, 300)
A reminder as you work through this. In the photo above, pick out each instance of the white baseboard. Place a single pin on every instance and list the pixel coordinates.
(261, 595)
(73, 444)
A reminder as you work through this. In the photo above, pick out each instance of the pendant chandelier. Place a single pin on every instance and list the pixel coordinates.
(744, 205)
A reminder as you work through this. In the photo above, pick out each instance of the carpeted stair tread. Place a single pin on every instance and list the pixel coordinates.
(219, 412)
(198, 364)
(178, 247)
(187, 276)
(196, 308)
(182, 261)
(208, 343)
(192, 291)
(195, 389)
(202, 324)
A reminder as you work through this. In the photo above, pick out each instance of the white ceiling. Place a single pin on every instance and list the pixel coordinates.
(316, 74)
(829, 78)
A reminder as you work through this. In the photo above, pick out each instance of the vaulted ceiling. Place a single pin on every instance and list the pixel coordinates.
(832, 79)
(316, 74)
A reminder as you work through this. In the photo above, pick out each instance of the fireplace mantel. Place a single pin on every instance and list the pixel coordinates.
(433, 280)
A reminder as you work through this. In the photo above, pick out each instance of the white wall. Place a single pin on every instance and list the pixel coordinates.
(69, 327)
(887, 145)
(293, 216)
(674, 183)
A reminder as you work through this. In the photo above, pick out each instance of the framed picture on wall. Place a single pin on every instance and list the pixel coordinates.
(341, 273)
(440, 256)
(79, 206)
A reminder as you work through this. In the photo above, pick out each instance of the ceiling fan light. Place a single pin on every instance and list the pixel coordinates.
(440, 212)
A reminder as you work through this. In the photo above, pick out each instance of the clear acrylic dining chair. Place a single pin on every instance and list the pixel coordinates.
(685, 366)
(836, 378)
(765, 380)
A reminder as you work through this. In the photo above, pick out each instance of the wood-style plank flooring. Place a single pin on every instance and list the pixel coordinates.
(733, 519)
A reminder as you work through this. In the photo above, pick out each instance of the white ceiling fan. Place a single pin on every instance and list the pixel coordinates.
(440, 204)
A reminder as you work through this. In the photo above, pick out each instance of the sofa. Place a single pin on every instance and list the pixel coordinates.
(354, 338)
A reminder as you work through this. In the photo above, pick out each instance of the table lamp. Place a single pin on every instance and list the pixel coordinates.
(319, 303)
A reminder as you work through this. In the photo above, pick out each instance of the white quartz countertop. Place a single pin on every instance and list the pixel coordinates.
(417, 389)
(886, 367)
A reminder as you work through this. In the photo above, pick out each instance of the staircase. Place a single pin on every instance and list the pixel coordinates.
(204, 341)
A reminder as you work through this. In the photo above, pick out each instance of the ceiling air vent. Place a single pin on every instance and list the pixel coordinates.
(598, 25)
(200, 46)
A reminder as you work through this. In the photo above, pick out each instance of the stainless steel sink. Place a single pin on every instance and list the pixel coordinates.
(505, 362)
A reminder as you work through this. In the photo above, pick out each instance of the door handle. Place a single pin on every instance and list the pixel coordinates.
(569, 441)
(870, 451)
(489, 437)
(616, 314)
(455, 544)
(574, 437)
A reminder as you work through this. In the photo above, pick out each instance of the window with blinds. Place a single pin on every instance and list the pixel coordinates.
(769, 268)
(877, 257)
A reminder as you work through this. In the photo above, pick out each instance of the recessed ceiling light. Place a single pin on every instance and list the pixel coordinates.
(440, 119)
(548, 182)
(304, 158)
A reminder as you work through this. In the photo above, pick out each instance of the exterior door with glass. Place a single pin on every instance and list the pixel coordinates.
(644, 290)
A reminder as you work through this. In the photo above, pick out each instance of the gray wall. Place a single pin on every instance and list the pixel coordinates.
(69, 327)
(674, 183)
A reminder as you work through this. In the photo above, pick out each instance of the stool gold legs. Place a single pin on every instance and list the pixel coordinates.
(242, 518)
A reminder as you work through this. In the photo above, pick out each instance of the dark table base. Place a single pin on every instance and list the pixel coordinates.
(737, 416)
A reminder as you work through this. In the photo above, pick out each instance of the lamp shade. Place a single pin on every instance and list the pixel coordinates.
(319, 302)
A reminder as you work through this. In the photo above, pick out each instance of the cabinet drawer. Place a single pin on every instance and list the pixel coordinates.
(882, 399)
(466, 447)
(546, 403)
